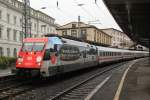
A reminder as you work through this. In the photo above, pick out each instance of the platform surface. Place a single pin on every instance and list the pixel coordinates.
(5, 72)
(137, 82)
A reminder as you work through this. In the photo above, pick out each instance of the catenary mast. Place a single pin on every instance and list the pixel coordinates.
(26, 21)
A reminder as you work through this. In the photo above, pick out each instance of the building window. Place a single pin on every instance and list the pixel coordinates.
(15, 52)
(15, 34)
(47, 30)
(43, 28)
(83, 33)
(1, 51)
(0, 14)
(20, 36)
(73, 25)
(15, 20)
(20, 22)
(0, 32)
(74, 33)
(35, 26)
(64, 32)
(8, 52)
(8, 33)
(8, 18)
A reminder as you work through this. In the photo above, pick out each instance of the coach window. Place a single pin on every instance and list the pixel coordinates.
(101, 53)
(104, 53)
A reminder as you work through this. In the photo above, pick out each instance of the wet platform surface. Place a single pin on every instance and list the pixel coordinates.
(137, 82)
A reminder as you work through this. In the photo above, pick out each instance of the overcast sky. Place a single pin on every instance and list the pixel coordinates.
(69, 10)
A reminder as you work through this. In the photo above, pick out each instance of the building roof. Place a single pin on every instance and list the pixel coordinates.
(86, 26)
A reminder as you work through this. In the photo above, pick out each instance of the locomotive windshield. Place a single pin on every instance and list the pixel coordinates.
(33, 46)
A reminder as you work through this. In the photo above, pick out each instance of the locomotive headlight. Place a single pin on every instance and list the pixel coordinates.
(38, 59)
(20, 59)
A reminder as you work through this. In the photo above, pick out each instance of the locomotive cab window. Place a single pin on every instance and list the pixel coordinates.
(33, 46)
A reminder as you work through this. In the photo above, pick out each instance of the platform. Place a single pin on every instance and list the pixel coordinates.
(137, 82)
(5, 72)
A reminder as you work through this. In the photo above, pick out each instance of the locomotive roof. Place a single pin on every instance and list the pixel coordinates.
(73, 42)
(57, 40)
(35, 40)
(54, 40)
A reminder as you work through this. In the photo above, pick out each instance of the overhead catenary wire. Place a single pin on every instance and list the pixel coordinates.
(81, 6)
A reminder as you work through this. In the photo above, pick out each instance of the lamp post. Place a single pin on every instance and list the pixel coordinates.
(79, 20)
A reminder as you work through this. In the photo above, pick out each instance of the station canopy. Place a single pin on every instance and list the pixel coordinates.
(133, 16)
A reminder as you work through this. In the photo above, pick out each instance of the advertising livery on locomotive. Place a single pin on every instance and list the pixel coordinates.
(50, 56)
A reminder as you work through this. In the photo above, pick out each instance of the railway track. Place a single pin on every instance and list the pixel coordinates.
(81, 90)
(24, 91)
(11, 86)
(5, 79)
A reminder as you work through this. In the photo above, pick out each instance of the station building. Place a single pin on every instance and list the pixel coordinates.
(85, 32)
(11, 20)
(119, 39)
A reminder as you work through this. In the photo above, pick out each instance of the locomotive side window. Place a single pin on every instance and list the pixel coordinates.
(47, 55)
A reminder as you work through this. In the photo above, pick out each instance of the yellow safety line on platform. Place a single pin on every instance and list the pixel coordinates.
(117, 95)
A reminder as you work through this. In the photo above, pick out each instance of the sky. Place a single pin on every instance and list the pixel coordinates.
(69, 10)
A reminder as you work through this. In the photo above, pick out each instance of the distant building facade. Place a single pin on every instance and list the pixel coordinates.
(85, 32)
(119, 39)
(11, 19)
